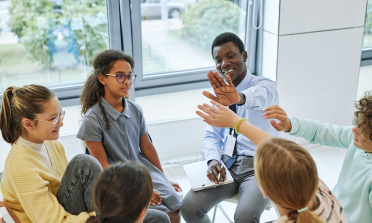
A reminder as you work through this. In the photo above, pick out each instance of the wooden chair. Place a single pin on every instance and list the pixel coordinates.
(7, 214)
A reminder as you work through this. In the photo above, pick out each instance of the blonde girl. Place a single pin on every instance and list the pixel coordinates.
(285, 172)
(38, 183)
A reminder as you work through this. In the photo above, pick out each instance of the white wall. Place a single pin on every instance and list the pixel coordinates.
(315, 47)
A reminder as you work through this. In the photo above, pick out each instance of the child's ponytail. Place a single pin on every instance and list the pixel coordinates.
(288, 175)
(94, 219)
(308, 217)
(19, 103)
(9, 129)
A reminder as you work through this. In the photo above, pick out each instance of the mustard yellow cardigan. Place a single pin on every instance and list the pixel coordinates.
(30, 185)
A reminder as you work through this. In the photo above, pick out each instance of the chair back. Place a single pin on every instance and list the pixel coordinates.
(7, 214)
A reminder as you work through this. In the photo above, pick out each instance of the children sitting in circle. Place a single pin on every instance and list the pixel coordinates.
(38, 179)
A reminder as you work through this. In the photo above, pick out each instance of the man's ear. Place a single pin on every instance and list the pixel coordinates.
(245, 56)
(102, 79)
(28, 124)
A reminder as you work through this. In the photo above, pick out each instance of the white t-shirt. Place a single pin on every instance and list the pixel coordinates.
(40, 149)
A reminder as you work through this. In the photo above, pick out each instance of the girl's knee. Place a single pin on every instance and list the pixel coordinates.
(83, 161)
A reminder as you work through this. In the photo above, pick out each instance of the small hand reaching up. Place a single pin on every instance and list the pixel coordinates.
(218, 117)
(276, 112)
(221, 116)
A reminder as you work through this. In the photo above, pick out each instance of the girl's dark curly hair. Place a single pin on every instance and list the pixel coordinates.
(363, 114)
(93, 89)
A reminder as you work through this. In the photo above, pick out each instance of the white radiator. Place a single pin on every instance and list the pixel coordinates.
(171, 137)
(177, 137)
(73, 146)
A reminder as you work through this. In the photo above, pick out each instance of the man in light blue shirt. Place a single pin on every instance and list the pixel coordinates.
(247, 95)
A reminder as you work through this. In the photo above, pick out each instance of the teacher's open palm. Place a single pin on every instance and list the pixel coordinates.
(225, 94)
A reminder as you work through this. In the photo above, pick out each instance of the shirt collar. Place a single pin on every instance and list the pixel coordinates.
(113, 112)
(23, 142)
(245, 82)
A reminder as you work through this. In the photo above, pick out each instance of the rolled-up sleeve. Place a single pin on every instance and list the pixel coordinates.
(261, 95)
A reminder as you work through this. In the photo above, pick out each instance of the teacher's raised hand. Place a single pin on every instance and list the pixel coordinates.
(225, 94)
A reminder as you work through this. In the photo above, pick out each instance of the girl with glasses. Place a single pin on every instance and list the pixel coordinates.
(38, 183)
(114, 128)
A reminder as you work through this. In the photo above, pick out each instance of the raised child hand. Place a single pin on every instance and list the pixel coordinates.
(218, 117)
(276, 112)
(225, 94)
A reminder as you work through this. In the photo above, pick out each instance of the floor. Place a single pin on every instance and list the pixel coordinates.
(328, 160)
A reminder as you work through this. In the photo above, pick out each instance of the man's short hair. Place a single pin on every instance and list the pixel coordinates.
(228, 37)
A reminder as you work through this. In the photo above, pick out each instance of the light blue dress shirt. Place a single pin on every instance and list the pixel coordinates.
(354, 187)
(260, 93)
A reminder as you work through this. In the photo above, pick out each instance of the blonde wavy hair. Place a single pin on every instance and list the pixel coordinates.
(288, 175)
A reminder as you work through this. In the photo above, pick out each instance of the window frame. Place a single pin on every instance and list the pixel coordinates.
(169, 81)
(366, 59)
(125, 33)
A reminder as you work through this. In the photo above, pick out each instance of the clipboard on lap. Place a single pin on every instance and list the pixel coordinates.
(197, 174)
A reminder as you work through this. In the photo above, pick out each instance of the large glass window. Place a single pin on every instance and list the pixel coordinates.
(367, 41)
(50, 42)
(177, 35)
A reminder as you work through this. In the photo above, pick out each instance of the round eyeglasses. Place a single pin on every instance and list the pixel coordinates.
(121, 77)
(55, 121)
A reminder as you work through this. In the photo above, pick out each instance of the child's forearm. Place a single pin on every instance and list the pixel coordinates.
(152, 156)
(253, 133)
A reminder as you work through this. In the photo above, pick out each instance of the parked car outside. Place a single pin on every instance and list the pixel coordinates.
(151, 9)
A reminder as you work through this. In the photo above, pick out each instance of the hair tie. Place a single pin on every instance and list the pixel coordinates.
(101, 217)
(303, 209)
(14, 90)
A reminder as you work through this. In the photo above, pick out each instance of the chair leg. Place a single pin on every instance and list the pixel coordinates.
(224, 213)
(214, 213)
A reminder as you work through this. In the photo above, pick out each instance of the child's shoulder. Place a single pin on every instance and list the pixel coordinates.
(94, 112)
(133, 105)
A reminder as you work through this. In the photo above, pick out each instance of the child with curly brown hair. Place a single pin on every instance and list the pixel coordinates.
(354, 186)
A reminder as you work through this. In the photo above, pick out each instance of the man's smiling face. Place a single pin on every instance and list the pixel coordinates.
(229, 61)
